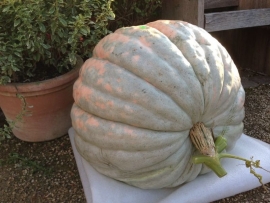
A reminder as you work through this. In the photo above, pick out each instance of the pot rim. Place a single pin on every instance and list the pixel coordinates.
(43, 85)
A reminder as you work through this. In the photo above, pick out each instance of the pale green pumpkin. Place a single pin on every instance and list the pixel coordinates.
(142, 91)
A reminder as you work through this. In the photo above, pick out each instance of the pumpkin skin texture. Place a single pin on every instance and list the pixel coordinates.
(142, 91)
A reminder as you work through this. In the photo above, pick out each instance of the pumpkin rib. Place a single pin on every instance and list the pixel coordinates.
(230, 68)
(132, 176)
(190, 173)
(178, 71)
(125, 118)
(178, 37)
(112, 164)
(127, 160)
(214, 88)
(235, 110)
(167, 29)
(230, 95)
(173, 176)
(118, 94)
(183, 103)
(233, 117)
(119, 131)
(150, 177)
(103, 102)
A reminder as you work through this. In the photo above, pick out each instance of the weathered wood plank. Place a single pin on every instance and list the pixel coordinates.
(236, 19)
(253, 4)
(220, 3)
(191, 11)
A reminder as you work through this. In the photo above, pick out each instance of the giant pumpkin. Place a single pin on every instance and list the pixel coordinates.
(141, 92)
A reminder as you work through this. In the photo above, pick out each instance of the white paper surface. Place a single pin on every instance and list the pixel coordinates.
(205, 188)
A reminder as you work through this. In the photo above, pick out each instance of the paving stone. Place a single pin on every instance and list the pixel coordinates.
(260, 79)
(248, 83)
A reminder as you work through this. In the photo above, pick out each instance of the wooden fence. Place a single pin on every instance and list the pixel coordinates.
(242, 26)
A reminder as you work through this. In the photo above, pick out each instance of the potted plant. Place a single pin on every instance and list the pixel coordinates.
(42, 45)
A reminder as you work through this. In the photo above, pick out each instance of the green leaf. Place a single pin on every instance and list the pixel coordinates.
(36, 57)
(42, 27)
(45, 46)
(52, 9)
(17, 22)
(60, 33)
(10, 72)
(54, 27)
(72, 59)
(18, 54)
(138, 10)
(70, 40)
(63, 21)
(6, 9)
(83, 31)
(63, 49)
(28, 45)
(9, 58)
(48, 54)
(15, 68)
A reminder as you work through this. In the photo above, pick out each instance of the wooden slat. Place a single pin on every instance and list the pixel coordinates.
(253, 4)
(220, 3)
(191, 11)
(237, 19)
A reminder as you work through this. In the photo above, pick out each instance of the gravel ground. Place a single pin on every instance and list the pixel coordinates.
(47, 172)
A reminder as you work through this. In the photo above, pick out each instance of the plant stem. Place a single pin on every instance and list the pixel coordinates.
(225, 155)
(213, 162)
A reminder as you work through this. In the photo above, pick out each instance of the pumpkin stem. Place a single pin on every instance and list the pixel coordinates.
(213, 162)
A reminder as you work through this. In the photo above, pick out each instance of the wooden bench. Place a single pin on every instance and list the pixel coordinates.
(216, 15)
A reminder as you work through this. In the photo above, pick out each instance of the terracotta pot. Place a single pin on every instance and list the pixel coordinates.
(47, 106)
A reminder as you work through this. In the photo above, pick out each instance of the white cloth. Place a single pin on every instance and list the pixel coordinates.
(205, 188)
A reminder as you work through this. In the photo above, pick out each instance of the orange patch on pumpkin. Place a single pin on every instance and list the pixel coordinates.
(93, 122)
(100, 105)
(128, 108)
(80, 124)
(110, 104)
(128, 131)
(113, 126)
(108, 88)
(81, 92)
(134, 101)
(103, 50)
(145, 42)
(135, 58)
(119, 90)
(101, 70)
(99, 81)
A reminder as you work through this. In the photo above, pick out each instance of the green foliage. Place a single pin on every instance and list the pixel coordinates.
(15, 158)
(6, 130)
(134, 12)
(37, 34)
